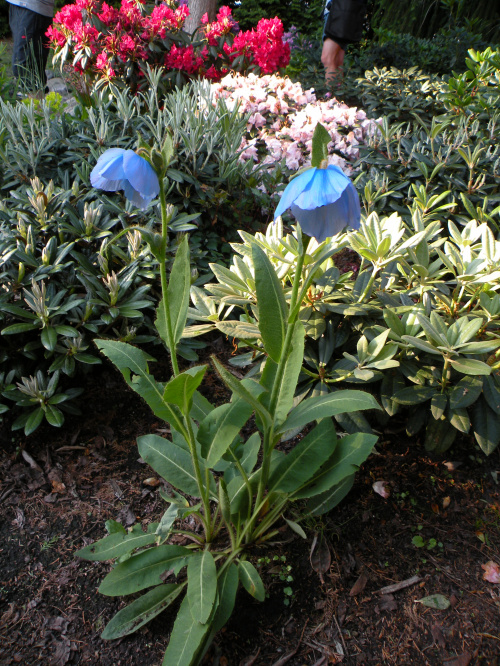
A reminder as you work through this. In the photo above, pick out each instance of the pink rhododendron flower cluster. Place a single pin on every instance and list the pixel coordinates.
(109, 44)
(283, 117)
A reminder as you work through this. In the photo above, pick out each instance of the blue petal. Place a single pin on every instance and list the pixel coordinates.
(135, 197)
(108, 173)
(294, 188)
(141, 175)
(326, 187)
(326, 221)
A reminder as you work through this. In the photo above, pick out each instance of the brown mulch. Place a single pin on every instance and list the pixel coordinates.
(59, 486)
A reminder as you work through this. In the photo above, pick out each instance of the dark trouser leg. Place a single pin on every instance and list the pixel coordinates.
(30, 48)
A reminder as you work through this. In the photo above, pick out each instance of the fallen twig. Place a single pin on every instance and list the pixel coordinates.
(340, 634)
(389, 589)
(288, 656)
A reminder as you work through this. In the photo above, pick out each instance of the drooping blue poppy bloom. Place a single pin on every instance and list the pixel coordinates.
(119, 169)
(324, 201)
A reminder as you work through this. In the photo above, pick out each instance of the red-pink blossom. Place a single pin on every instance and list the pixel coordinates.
(109, 15)
(55, 36)
(69, 17)
(184, 59)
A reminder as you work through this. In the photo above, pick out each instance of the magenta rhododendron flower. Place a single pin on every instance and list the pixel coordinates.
(137, 35)
(119, 169)
(109, 15)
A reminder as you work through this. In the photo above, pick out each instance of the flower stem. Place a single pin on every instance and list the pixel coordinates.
(164, 283)
(269, 435)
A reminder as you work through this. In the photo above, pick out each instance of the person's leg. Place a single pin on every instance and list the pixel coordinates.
(332, 58)
(18, 17)
(30, 47)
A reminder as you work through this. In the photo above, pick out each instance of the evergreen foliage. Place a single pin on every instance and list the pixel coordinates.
(305, 15)
(425, 18)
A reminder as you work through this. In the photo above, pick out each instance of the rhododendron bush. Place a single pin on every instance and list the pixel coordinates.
(283, 117)
(110, 45)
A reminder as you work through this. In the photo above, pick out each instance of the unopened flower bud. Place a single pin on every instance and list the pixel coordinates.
(157, 161)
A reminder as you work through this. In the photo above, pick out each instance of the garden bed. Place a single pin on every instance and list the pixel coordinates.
(59, 486)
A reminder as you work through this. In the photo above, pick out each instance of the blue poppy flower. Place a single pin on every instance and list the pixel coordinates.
(119, 169)
(324, 202)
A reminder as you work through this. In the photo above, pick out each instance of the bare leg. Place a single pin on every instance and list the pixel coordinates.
(332, 58)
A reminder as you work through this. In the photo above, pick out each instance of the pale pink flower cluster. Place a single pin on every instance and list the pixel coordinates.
(283, 117)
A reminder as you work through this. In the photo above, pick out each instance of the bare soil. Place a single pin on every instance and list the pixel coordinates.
(59, 486)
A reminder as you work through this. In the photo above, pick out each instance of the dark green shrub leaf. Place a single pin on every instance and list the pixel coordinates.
(486, 427)
(439, 403)
(465, 392)
(439, 435)
(413, 395)
(470, 366)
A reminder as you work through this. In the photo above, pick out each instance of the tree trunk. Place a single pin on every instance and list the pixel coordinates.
(196, 10)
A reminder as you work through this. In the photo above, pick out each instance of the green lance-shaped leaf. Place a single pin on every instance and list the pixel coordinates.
(180, 389)
(144, 570)
(305, 459)
(200, 408)
(351, 451)
(141, 611)
(227, 586)
(167, 520)
(293, 366)
(220, 427)
(114, 527)
(133, 364)
(320, 140)
(328, 500)
(271, 302)
(224, 501)
(238, 493)
(239, 390)
(115, 545)
(179, 286)
(202, 585)
(187, 639)
(48, 338)
(331, 404)
(173, 463)
(251, 580)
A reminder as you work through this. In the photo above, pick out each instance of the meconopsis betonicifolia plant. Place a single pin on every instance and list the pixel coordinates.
(223, 464)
